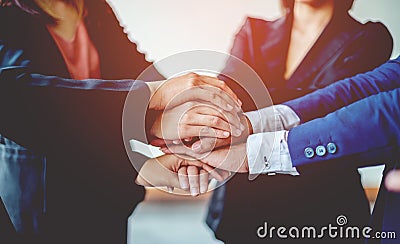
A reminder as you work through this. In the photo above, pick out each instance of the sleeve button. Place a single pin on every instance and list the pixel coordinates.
(309, 152)
(320, 151)
(332, 148)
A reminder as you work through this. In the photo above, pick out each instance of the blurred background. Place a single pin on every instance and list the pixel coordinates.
(162, 28)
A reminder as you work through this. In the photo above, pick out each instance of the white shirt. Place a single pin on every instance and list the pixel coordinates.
(267, 149)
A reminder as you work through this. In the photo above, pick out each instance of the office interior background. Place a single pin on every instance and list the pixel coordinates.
(163, 28)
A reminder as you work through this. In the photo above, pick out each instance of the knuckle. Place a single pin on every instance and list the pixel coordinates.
(182, 130)
(185, 118)
(215, 121)
(224, 86)
(214, 96)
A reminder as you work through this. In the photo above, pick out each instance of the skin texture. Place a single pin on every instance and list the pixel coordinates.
(392, 181)
(172, 171)
(196, 119)
(189, 87)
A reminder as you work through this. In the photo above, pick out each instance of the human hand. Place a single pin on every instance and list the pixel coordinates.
(195, 119)
(233, 158)
(189, 87)
(172, 171)
(392, 180)
(206, 144)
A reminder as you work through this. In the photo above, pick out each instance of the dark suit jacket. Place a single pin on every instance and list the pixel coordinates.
(370, 118)
(77, 124)
(344, 49)
(365, 131)
(81, 182)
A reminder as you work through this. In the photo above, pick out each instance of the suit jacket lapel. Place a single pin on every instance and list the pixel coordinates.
(331, 40)
(42, 41)
(274, 51)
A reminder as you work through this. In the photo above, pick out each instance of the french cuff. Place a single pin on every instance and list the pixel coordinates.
(288, 116)
(273, 118)
(268, 153)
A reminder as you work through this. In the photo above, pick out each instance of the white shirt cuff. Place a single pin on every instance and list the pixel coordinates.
(268, 153)
(273, 118)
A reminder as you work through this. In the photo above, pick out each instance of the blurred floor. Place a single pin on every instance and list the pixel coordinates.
(169, 219)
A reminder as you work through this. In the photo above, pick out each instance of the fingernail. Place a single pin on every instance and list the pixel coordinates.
(194, 191)
(229, 107)
(184, 186)
(226, 134)
(203, 190)
(239, 102)
(242, 127)
(196, 146)
(176, 142)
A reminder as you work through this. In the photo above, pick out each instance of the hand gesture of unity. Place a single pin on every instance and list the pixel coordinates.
(201, 130)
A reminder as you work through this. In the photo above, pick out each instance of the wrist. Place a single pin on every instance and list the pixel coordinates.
(244, 120)
(248, 124)
(155, 96)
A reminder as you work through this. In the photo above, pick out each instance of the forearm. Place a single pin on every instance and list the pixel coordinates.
(366, 132)
(324, 101)
(55, 114)
(55, 119)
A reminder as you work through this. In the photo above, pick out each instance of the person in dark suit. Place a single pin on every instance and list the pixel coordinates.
(71, 39)
(77, 124)
(294, 56)
(334, 120)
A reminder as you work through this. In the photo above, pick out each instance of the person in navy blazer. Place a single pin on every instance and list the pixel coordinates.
(366, 132)
(351, 123)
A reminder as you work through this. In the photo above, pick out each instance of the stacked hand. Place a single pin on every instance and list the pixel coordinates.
(201, 117)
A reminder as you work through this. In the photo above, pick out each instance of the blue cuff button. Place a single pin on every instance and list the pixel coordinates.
(309, 152)
(332, 148)
(320, 151)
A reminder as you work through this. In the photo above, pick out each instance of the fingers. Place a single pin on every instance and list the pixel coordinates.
(223, 173)
(219, 118)
(194, 178)
(194, 119)
(216, 92)
(213, 172)
(190, 130)
(185, 88)
(141, 181)
(196, 115)
(207, 144)
(203, 178)
(183, 150)
(213, 96)
(221, 85)
(183, 178)
(217, 97)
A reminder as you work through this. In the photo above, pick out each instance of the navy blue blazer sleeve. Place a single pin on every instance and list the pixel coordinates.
(63, 116)
(365, 132)
(321, 102)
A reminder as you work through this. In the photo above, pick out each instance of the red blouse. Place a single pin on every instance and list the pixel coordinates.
(80, 55)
